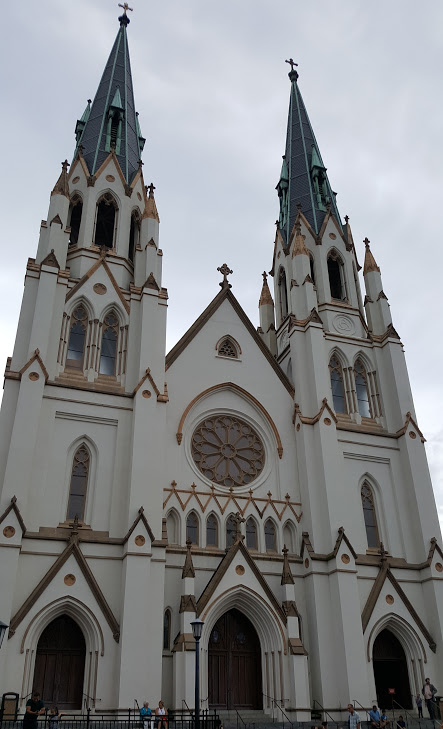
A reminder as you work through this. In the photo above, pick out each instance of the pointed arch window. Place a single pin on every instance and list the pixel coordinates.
(75, 218)
(336, 276)
(282, 294)
(192, 527)
(270, 536)
(338, 390)
(231, 531)
(79, 483)
(311, 264)
(228, 349)
(167, 630)
(212, 531)
(106, 221)
(134, 234)
(77, 336)
(370, 517)
(289, 537)
(361, 386)
(251, 534)
(173, 527)
(108, 352)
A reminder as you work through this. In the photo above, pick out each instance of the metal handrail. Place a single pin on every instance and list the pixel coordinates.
(407, 713)
(323, 710)
(279, 708)
(354, 701)
(241, 719)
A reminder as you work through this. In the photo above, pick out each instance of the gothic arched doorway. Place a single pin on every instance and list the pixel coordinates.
(391, 671)
(60, 664)
(234, 664)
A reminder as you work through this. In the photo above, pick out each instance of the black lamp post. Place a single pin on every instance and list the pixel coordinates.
(197, 627)
(3, 629)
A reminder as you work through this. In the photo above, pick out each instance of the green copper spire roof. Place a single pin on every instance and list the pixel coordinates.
(303, 178)
(111, 122)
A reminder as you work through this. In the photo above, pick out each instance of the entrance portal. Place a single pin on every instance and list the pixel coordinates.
(60, 664)
(390, 671)
(234, 664)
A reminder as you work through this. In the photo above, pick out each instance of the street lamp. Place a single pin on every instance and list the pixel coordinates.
(4, 628)
(197, 627)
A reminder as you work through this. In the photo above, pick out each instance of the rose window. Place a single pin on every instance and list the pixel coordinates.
(228, 451)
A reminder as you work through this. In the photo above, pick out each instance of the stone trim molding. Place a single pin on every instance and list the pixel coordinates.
(238, 389)
(13, 507)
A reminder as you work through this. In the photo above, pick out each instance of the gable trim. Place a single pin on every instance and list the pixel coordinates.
(74, 549)
(245, 393)
(199, 323)
(13, 507)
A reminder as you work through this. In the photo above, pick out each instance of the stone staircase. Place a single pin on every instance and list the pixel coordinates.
(255, 719)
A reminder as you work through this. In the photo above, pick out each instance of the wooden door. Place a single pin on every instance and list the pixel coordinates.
(234, 664)
(60, 664)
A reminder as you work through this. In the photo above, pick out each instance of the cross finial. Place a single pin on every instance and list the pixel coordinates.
(151, 189)
(225, 270)
(292, 64)
(265, 278)
(346, 219)
(65, 165)
(125, 7)
(366, 242)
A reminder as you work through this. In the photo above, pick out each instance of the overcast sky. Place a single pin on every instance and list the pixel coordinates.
(212, 90)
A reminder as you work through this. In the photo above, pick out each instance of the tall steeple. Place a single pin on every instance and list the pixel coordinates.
(111, 122)
(303, 178)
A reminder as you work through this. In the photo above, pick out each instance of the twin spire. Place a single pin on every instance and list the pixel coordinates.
(303, 179)
(111, 122)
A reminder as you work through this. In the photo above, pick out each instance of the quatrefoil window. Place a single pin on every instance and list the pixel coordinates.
(228, 451)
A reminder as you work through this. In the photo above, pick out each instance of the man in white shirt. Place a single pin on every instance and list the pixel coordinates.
(353, 718)
(428, 692)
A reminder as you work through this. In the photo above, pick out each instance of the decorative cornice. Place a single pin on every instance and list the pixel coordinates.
(188, 604)
(221, 571)
(13, 507)
(72, 548)
(226, 293)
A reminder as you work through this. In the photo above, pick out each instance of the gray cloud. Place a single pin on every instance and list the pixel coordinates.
(212, 91)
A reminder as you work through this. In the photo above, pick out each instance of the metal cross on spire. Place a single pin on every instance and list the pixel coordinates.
(225, 270)
(125, 7)
(291, 63)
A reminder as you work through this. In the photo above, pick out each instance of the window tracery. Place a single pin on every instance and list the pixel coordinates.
(338, 390)
(361, 386)
(227, 349)
(192, 527)
(77, 336)
(79, 483)
(369, 515)
(212, 531)
(108, 351)
(228, 451)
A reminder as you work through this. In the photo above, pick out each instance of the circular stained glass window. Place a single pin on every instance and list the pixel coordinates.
(228, 451)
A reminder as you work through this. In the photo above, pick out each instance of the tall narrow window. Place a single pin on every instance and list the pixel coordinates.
(79, 484)
(167, 630)
(134, 235)
(288, 537)
(338, 391)
(75, 218)
(270, 536)
(311, 263)
(335, 266)
(108, 352)
(173, 527)
(76, 344)
(361, 386)
(192, 527)
(106, 222)
(282, 294)
(211, 531)
(231, 531)
(370, 518)
(251, 534)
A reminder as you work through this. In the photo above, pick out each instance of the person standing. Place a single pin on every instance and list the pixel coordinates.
(353, 718)
(34, 707)
(419, 702)
(429, 692)
(54, 717)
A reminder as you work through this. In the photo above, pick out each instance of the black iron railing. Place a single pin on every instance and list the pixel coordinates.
(130, 719)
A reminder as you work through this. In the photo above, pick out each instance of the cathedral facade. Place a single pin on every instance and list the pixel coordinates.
(271, 481)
